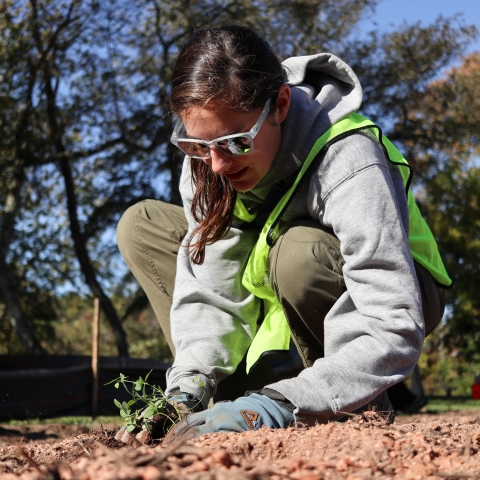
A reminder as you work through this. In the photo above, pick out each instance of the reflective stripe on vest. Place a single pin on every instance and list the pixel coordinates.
(274, 332)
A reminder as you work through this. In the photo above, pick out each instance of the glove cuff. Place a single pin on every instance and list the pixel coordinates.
(275, 396)
(192, 402)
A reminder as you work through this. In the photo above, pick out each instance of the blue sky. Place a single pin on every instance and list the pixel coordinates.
(395, 12)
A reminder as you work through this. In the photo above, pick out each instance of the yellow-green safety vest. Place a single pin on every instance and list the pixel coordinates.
(274, 332)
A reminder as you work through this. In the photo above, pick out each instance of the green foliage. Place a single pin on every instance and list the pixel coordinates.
(9, 341)
(446, 371)
(149, 400)
(73, 330)
(396, 68)
(452, 205)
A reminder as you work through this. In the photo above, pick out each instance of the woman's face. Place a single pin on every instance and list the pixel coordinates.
(216, 120)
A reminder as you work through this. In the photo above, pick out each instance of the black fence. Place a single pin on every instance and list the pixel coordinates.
(46, 386)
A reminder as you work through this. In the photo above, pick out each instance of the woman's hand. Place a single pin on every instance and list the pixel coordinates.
(243, 414)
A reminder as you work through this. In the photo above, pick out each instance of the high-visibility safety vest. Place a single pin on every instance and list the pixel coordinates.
(274, 332)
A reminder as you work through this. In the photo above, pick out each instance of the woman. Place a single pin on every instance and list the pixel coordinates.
(280, 145)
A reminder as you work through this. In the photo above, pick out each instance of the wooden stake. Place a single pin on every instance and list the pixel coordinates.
(95, 336)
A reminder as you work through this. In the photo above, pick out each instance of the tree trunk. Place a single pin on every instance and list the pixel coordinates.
(17, 317)
(86, 265)
(174, 162)
(80, 246)
(7, 285)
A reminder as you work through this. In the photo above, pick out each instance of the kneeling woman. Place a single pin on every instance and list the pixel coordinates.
(297, 225)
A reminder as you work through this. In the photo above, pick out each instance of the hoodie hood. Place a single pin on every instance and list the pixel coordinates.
(324, 90)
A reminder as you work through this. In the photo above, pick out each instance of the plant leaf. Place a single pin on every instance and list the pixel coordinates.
(150, 411)
(130, 427)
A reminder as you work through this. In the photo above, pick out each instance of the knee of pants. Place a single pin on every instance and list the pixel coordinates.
(150, 228)
(306, 262)
(126, 228)
(127, 238)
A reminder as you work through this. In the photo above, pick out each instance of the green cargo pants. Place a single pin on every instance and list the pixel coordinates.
(305, 270)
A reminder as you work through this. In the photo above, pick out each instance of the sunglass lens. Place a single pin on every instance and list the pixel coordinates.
(236, 145)
(194, 149)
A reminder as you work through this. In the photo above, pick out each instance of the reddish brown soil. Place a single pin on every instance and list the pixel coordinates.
(419, 447)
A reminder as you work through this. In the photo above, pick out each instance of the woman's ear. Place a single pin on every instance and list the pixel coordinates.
(283, 102)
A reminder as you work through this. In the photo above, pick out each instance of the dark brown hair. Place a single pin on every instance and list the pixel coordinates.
(233, 65)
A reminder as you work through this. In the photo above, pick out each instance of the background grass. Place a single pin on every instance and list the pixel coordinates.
(80, 421)
(448, 404)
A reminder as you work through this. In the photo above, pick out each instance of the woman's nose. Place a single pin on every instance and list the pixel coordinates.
(219, 161)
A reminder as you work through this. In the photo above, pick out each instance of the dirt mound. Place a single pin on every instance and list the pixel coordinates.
(420, 447)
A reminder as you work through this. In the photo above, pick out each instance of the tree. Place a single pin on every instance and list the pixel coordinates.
(18, 121)
(396, 68)
(41, 35)
(445, 137)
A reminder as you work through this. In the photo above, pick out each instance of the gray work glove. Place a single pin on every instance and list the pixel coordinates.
(149, 428)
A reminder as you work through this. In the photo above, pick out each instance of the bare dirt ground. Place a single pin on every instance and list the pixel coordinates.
(420, 447)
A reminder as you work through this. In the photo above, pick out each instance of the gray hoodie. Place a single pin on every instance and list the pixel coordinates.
(374, 332)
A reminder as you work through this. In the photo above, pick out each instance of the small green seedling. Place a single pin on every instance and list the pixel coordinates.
(148, 399)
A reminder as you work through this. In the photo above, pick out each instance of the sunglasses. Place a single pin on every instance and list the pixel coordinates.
(232, 145)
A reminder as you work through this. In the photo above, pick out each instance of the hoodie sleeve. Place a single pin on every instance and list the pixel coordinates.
(213, 317)
(374, 332)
